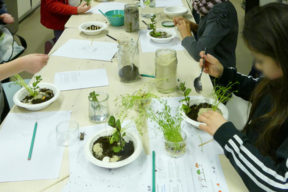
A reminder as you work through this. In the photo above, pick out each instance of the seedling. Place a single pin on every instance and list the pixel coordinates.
(93, 97)
(33, 91)
(118, 134)
(186, 92)
(152, 25)
(88, 2)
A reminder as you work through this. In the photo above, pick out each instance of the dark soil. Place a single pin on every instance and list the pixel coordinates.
(162, 36)
(49, 92)
(193, 114)
(128, 74)
(93, 27)
(126, 152)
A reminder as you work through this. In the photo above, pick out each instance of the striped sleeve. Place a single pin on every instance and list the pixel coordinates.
(258, 172)
(246, 83)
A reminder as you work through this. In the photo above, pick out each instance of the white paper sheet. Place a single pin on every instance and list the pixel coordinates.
(104, 7)
(15, 140)
(148, 45)
(82, 49)
(167, 3)
(81, 79)
(84, 176)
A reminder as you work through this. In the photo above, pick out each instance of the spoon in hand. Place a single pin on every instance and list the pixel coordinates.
(197, 81)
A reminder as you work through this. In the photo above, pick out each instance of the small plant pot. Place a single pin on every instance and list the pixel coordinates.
(141, 104)
(222, 108)
(162, 40)
(130, 136)
(176, 149)
(83, 27)
(99, 110)
(22, 93)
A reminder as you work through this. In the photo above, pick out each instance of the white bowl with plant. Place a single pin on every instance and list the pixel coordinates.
(175, 11)
(192, 108)
(92, 27)
(36, 96)
(161, 35)
(113, 147)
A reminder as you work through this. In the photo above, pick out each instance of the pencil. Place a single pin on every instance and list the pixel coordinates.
(32, 142)
(206, 142)
(111, 37)
(153, 171)
(144, 75)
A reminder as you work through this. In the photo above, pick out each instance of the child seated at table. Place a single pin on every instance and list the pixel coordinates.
(260, 152)
(55, 14)
(217, 30)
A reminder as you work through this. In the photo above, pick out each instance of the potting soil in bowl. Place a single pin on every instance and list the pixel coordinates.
(42, 96)
(102, 149)
(162, 36)
(197, 110)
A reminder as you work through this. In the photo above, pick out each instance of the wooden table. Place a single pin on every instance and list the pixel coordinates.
(77, 101)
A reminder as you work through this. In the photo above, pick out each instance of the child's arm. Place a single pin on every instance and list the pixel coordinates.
(55, 6)
(30, 63)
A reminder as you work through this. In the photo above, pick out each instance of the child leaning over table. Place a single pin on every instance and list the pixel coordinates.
(55, 14)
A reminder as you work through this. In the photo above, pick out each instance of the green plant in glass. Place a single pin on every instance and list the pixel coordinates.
(186, 92)
(93, 96)
(33, 91)
(118, 134)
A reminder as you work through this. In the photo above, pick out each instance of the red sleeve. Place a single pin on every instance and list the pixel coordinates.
(55, 6)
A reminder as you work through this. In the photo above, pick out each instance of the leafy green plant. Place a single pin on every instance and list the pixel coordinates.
(93, 96)
(118, 134)
(186, 92)
(152, 25)
(221, 94)
(88, 2)
(33, 91)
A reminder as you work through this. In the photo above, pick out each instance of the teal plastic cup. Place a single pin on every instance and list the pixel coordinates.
(115, 17)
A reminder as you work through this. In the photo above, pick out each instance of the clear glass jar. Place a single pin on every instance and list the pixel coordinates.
(141, 103)
(128, 61)
(166, 70)
(131, 18)
(148, 8)
(67, 133)
(99, 110)
(176, 149)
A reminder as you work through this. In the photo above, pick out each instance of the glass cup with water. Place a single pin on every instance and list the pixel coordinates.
(99, 110)
(148, 8)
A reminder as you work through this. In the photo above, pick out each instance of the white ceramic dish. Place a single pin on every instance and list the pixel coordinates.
(130, 136)
(175, 11)
(164, 40)
(83, 27)
(22, 93)
(221, 107)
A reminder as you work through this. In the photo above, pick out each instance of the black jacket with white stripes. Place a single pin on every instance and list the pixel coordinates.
(259, 172)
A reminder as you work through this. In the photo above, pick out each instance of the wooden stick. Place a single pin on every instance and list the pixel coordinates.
(206, 142)
(92, 42)
(63, 178)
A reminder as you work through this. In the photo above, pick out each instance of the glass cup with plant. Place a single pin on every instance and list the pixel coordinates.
(98, 109)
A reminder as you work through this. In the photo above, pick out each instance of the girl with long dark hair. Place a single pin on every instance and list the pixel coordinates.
(260, 152)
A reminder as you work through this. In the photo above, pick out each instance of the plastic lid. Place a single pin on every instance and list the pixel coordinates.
(168, 24)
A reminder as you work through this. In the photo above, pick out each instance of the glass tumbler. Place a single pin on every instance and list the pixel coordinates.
(67, 133)
(99, 110)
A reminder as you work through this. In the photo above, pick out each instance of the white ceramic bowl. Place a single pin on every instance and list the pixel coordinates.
(22, 93)
(130, 136)
(83, 27)
(175, 11)
(164, 40)
(221, 107)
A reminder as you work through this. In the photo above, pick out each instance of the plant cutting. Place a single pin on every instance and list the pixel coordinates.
(170, 126)
(113, 148)
(98, 106)
(157, 34)
(36, 95)
(186, 100)
(88, 2)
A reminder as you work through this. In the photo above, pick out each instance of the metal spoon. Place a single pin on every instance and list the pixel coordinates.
(148, 27)
(197, 81)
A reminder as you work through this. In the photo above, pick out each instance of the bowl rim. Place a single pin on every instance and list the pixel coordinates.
(130, 159)
(185, 10)
(94, 22)
(24, 105)
(165, 30)
(115, 10)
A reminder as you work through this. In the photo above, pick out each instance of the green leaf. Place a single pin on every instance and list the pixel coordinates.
(124, 134)
(182, 100)
(117, 149)
(123, 143)
(111, 140)
(187, 92)
(116, 136)
(118, 125)
(111, 121)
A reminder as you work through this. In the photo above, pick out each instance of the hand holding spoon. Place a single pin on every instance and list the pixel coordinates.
(197, 81)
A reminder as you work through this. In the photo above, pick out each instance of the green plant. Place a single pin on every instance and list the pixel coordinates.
(33, 91)
(168, 124)
(186, 92)
(221, 94)
(93, 96)
(152, 25)
(88, 2)
(118, 134)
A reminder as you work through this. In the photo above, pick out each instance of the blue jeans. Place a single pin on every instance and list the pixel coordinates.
(57, 34)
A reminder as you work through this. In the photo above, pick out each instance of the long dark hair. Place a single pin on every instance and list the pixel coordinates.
(266, 32)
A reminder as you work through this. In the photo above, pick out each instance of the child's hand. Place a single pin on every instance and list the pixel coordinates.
(212, 66)
(213, 121)
(193, 26)
(34, 63)
(184, 29)
(7, 18)
(83, 8)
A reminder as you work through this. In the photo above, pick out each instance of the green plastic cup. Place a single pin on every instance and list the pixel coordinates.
(115, 17)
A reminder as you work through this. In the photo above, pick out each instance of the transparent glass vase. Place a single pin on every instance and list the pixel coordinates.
(99, 110)
(166, 70)
(131, 18)
(176, 149)
(148, 9)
